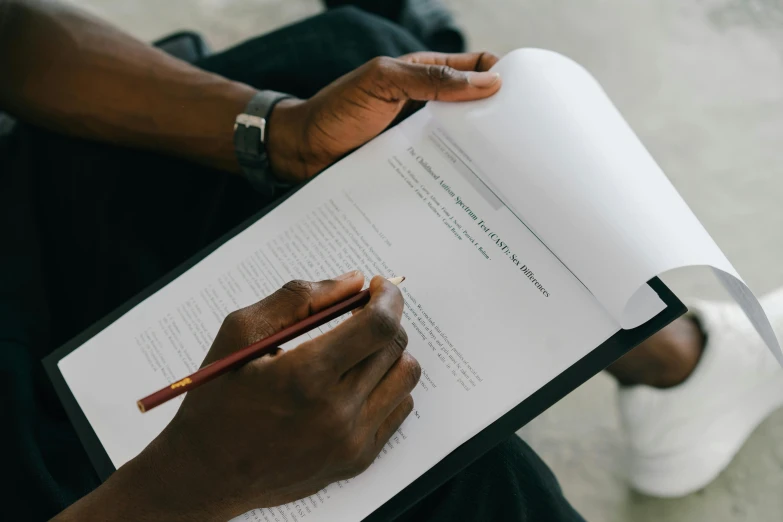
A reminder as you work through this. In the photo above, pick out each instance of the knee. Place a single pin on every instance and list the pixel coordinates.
(351, 17)
(347, 13)
(371, 33)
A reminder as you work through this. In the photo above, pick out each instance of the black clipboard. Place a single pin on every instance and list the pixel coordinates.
(573, 377)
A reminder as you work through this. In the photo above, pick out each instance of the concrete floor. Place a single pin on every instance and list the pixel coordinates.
(701, 82)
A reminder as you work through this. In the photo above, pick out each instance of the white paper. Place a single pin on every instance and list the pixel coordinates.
(526, 224)
(582, 181)
(481, 326)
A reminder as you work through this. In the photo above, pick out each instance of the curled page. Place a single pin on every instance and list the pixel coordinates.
(554, 144)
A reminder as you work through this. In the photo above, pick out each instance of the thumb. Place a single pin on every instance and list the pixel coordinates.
(295, 301)
(428, 81)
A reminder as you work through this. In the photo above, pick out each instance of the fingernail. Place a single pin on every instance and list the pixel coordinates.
(483, 79)
(347, 275)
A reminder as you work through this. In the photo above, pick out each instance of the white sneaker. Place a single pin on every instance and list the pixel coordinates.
(681, 438)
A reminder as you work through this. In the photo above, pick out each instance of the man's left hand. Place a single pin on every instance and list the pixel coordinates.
(307, 136)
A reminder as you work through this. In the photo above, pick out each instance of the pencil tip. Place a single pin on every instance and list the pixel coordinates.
(396, 280)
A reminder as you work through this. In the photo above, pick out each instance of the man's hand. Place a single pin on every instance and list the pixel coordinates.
(282, 427)
(307, 136)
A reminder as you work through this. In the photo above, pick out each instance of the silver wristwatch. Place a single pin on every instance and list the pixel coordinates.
(250, 142)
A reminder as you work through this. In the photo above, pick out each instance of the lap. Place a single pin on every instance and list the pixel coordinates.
(509, 483)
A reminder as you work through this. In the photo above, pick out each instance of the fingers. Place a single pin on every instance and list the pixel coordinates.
(293, 302)
(369, 330)
(445, 83)
(364, 377)
(397, 384)
(482, 61)
(393, 422)
(429, 77)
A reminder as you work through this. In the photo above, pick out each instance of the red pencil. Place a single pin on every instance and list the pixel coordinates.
(255, 350)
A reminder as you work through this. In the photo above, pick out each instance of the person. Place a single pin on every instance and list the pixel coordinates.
(121, 164)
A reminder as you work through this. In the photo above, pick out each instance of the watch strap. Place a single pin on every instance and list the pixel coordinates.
(250, 132)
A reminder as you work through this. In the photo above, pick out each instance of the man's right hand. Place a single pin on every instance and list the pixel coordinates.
(282, 427)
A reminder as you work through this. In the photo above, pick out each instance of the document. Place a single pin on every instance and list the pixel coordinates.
(526, 225)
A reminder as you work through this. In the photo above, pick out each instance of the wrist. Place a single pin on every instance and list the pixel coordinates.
(146, 488)
(286, 143)
(235, 98)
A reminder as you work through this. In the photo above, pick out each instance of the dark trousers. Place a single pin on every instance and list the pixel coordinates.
(85, 226)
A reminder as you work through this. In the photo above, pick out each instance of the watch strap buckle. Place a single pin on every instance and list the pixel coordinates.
(249, 120)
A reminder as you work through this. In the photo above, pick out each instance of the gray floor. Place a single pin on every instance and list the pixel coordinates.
(701, 82)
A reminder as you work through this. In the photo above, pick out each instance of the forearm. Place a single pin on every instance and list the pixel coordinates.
(69, 72)
(143, 489)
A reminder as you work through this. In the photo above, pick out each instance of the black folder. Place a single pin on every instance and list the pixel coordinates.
(598, 359)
